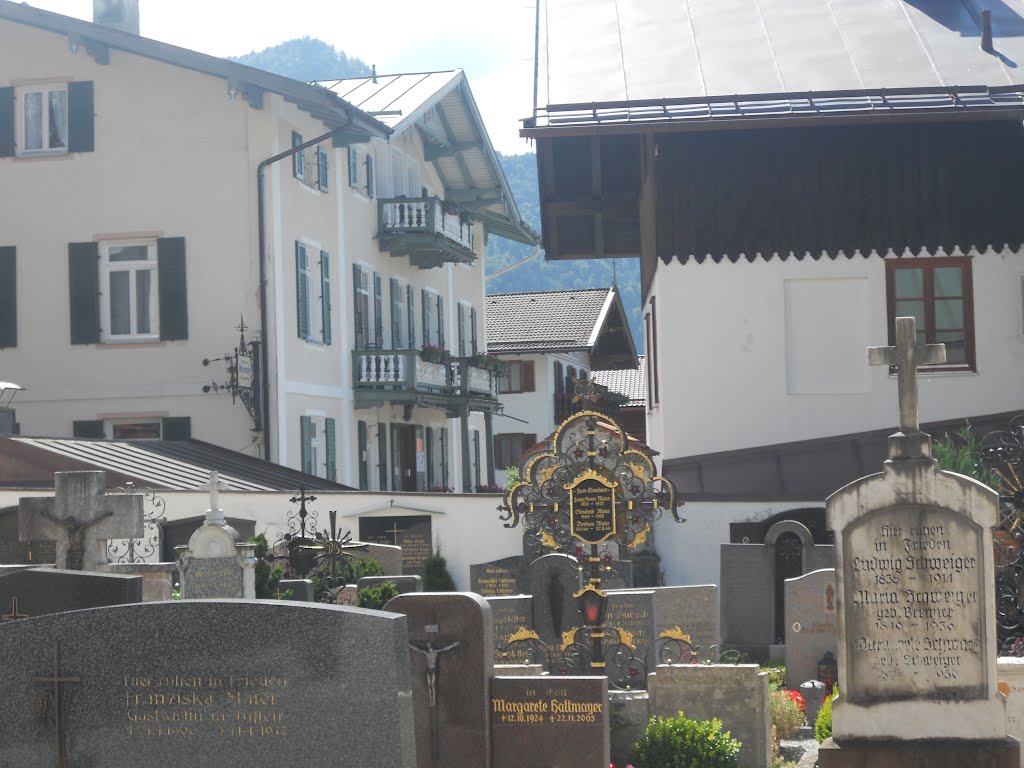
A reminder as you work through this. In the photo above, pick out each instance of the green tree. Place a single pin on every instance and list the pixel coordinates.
(436, 577)
(306, 59)
(267, 576)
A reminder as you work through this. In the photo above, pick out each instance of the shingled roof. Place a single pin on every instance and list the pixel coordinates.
(629, 382)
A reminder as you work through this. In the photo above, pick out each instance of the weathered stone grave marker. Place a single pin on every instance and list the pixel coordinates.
(412, 533)
(914, 573)
(80, 517)
(30, 592)
(810, 628)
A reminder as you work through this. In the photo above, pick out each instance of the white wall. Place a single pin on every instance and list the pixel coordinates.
(769, 352)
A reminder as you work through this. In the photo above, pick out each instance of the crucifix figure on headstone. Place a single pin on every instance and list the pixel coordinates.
(430, 654)
(55, 703)
(905, 357)
(80, 518)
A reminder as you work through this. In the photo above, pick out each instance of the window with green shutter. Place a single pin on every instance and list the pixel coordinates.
(177, 428)
(325, 297)
(353, 167)
(361, 305)
(369, 175)
(430, 457)
(81, 117)
(378, 311)
(461, 314)
(305, 443)
(302, 291)
(298, 159)
(83, 274)
(426, 307)
(362, 456)
(382, 457)
(173, 288)
(444, 457)
(330, 449)
(440, 322)
(397, 317)
(88, 429)
(8, 298)
(474, 347)
(322, 182)
(6, 122)
(476, 459)
(411, 310)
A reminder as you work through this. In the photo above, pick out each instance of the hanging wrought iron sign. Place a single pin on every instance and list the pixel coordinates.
(243, 375)
(591, 508)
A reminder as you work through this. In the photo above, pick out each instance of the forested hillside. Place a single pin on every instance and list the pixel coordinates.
(541, 275)
(305, 59)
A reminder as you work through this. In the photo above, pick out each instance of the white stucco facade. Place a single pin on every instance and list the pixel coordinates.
(175, 156)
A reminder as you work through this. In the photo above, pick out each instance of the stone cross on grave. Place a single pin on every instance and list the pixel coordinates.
(215, 515)
(909, 442)
(80, 518)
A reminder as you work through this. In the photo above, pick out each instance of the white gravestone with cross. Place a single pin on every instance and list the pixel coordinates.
(80, 517)
(915, 591)
(214, 564)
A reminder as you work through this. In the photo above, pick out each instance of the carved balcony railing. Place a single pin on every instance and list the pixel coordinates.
(421, 228)
(404, 376)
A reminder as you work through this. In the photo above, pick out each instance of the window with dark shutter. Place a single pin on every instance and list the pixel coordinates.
(84, 281)
(361, 305)
(411, 310)
(325, 297)
(6, 122)
(301, 291)
(353, 167)
(298, 159)
(362, 456)
(81, 117)
(369, 175)
(440, 322)
(426, 302)
(382, 456)
(321, 170)
(396, 314)
(461, 313)
(473, 345)
(378, 312)
(177, 428)
(444, 457)
(305, 441)
(88, 429)
(8, 298)
(330, 449)
(430, 457)
(173, 288)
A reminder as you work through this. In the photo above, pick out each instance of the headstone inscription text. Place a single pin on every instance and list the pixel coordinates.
(914, 618)
(412, 534)
(592, 509)
(190, 706)
(492, 580)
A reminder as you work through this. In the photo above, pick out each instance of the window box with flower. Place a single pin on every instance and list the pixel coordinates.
(432, 353)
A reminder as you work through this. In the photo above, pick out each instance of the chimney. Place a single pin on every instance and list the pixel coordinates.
(117, 14)
(986, 31)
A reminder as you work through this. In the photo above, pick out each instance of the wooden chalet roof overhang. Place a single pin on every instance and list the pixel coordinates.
(824, 140)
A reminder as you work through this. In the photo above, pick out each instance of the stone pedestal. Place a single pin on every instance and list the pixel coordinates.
(998, 753)
(157, 578)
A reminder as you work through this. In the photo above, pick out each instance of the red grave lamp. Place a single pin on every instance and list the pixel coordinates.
(592, 604)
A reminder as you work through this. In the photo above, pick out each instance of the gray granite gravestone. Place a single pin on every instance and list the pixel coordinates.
(498, 578)
(231, 683)
(916, 603)
(810, 627)
(389, 557)
(634, 612)
(215, 564)
(30, 592)
(550, 721)
(13, 551)
(402, 583)
(79, 518)
(301, 589)
(451, 652)
(511, 615)
(157, 578)
(691, 609)
(412, 533)
(552, 581)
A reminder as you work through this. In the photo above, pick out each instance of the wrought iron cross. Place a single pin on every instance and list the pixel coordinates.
(906, 356)
(60, 699)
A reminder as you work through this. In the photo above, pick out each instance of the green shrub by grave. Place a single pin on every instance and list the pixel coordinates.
(776, 674)
(823, 725)
(785, 711)
(435, 573)
(377, 597)
(678, 742)
(356, 569)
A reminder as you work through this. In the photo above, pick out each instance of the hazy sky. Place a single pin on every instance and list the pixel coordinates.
(491, 39)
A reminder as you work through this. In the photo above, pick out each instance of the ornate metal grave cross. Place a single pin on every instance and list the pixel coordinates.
(14, 615)
(430, 654)
(55, 703)
(905, 357)
(80, 518)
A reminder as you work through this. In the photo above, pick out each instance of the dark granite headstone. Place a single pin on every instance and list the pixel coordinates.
(411, 533)
(511, 614)
(403, 584)
(498, 578)
(42, 591)
(550, 721)
(552, 581)
(634, 612)
(460, 675)
(218, 682)
(15, 552)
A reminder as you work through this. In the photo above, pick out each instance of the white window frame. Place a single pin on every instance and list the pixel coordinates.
(44, 138)
(366, 299)
(108, 268)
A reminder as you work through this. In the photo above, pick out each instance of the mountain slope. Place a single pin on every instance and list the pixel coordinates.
(305, 59)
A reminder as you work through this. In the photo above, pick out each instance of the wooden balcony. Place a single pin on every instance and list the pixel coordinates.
(420, 228)
(402, 376)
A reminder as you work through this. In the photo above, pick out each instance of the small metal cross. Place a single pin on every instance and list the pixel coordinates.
(14, 615)
(60, 702)
(906, 356)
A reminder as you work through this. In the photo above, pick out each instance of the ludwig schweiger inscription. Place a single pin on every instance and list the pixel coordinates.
(914, 618)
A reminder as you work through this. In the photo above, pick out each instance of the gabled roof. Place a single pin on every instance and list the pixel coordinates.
(587, 319)
(649, 61)
(631, 383)
(441, 106)
(97, 40)
(175, 465)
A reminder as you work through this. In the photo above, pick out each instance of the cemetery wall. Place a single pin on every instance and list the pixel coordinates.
(811, 378)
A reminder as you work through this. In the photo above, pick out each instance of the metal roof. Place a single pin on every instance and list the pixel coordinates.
(455, 139)
(646, 61)
(97, 40)
(169, 465)
(630, 382)
(545, 321)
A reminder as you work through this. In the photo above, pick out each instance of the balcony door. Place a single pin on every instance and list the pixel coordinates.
(408, 457)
